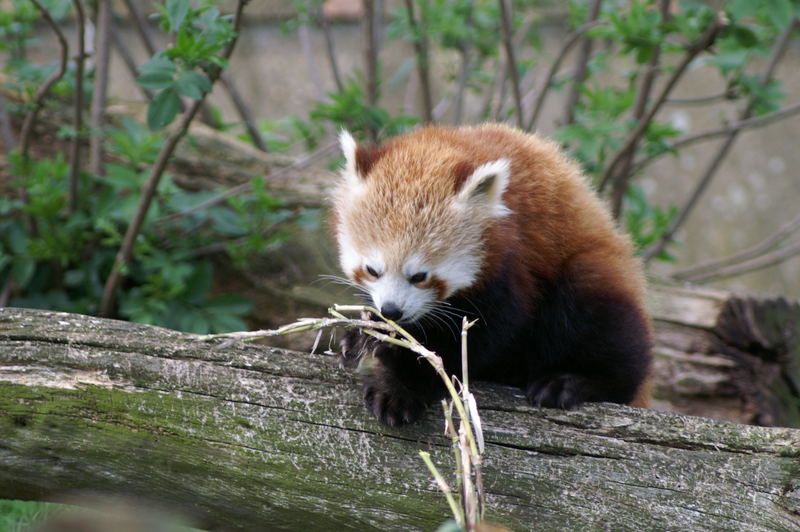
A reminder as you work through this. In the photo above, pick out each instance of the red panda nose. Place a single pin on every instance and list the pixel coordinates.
(391, 311)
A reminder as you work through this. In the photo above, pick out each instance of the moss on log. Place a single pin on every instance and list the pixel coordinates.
(252, 437)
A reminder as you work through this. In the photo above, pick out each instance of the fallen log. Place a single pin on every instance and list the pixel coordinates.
(727, 356)
(253, 437)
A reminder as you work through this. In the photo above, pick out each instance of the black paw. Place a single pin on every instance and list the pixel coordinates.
(393, 407)
(560, 390)
(352, 348)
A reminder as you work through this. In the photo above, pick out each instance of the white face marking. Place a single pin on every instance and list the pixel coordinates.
(458, 270)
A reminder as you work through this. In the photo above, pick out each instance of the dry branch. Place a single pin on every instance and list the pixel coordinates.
(582, 65)
(511, 62)
(777, 54)
(102, 57)
(75, 147)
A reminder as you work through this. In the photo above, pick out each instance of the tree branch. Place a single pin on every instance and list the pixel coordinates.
(38, 98)
(624, 174)
(98, 107)
(544, 88)
(777, 53)
(581, 67)
(127, 58)
(330, 49)
(505, 24)
(75, 148)
(149, 189)
(371, 60)
(419, 34)
(750, 123)
(702, 43)
(758, 263)
(697, 273)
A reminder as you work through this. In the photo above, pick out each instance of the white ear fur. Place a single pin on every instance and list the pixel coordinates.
(486, 185)
(348, 145)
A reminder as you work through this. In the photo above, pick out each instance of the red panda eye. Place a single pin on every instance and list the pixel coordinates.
(372, 272)
(418, 277)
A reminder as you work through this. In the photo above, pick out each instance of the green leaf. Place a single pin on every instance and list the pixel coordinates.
(22, 270)
(779, 12)
(158, 64)
(176, 13)
(193, 85)
(155, 80)
(163, 108)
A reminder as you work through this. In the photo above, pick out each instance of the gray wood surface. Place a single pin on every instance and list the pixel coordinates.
(258, 438)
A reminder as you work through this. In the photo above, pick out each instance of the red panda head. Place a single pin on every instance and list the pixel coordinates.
(410, 220)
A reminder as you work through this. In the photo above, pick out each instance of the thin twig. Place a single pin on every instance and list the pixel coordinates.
(765, 246)
(244, 187)
(38, 98)
(232, 89)
(9, 142)
(505, 24)
(97, 111)
(702, 43)
(758, 263)
(581, 66)
(420, 39)
(75, 148)
(464, 49)
(750, 123)
(666, 237)
(703, 100)
(149, 189)
(142, 28)
(371, 60)
(623, 173)
(127, 58)
(330, 49)
(547, 83)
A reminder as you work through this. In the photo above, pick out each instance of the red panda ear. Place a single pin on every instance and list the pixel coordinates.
(359, 159)
(485, 187)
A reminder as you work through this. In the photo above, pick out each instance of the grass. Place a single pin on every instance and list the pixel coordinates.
(18, 516)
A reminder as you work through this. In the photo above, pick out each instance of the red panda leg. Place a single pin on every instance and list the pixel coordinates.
(592, 342)
(398, 386)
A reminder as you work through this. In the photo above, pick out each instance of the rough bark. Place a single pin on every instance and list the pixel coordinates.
(253, 437)
(727, 356)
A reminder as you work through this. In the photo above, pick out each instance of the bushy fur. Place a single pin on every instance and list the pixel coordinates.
(507, 231)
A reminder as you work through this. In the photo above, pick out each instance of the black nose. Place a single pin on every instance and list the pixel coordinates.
(391, 311)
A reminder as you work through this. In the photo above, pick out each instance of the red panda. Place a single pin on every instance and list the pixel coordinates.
(499, 225)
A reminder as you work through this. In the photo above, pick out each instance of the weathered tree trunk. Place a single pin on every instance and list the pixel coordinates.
(727, 356)
(252, 437)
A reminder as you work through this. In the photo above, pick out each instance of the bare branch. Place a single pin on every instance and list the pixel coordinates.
(547, 83)
(758, 263)
(418, 31)
(581, 67)
(75, 148)
(371, 59)
(505, 19)
(127, 58)
(702, 43)
(9, 142)
(244, 187)
(464, 50)
(41, 93)
(750, 123)
(624, 174)
(98, 107)
(697, 273)
(704, 100)
(330, 49)
(142, 28)
(777, 53)
(149, 189)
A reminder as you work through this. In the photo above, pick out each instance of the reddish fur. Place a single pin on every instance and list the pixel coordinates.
(557, 223)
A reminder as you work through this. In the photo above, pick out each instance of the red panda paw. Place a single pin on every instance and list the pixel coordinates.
(558, 390)
(353, 347)
(392, 405)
